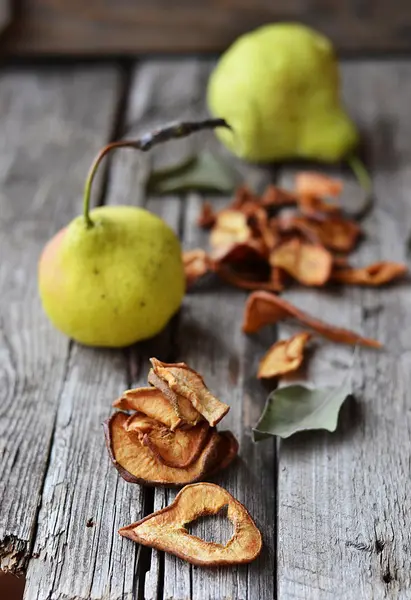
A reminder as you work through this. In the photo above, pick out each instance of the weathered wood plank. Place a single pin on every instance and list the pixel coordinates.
(105, 565)
(51, 123)
(344, 502)
(208, 337)
(210, 340)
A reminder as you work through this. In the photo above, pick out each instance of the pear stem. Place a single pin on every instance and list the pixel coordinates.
(361, 173)
(145, 143)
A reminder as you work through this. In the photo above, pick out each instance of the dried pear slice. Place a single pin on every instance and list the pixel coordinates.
(181, 406)
(226, 452)
(186, 382)
(178, 448)
(137, 464)
(151, 402)
(166, 529)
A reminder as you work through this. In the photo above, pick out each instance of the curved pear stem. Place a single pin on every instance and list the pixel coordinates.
(361, 173)
(145, 143)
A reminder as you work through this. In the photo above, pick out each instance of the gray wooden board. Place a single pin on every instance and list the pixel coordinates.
(208, 337)
(51, 123)
(344, 498)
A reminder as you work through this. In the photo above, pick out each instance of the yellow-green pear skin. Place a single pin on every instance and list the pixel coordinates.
(115, 283)
(278, 87)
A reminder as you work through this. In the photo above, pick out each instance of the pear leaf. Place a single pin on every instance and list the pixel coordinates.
(294, 408)
(204, 172)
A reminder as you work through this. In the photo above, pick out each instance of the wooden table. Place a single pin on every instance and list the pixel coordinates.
(334, 509)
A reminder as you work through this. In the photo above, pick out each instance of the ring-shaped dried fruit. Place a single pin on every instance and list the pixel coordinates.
(137, 464)
(151, 402)
(178, 379)
(166, 529)
(178, 448)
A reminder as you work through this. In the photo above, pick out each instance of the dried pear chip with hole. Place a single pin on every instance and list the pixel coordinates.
(284, 356)
(186, 382)
(166, 529)
(152, 403)
(181, 405)
(136, 463)
(178, 448)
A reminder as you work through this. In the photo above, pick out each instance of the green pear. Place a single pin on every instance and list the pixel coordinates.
(279, 89)
(115, 275)
(114, 283)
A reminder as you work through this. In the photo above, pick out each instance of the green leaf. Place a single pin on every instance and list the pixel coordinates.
(298, 408)
(204, 172)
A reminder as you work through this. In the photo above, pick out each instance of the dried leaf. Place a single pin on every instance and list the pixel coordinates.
(183, 381)
(166, 529)
(207, 217)
(284, 356)
(263, 308)
(317, 184)
(296, 408)
(376, 274)
(178, 448)
(206, 173)
(309, 264)
(231, 227)
(196, 264)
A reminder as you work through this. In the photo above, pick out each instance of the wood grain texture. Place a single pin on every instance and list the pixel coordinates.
(129, 27)
(344, 502)
(77, 561)
(48, 134)
(210, 340)
(207, 336)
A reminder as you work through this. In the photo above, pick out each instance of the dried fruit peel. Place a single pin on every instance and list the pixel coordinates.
(166, 529)
(178, 448)
(263, 308)
(137, 464)
(186, 382)
(152, 403)
(284, 356)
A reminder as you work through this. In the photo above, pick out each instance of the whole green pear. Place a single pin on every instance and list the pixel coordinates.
(115, 275)
(115, 282)
(279, 89)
